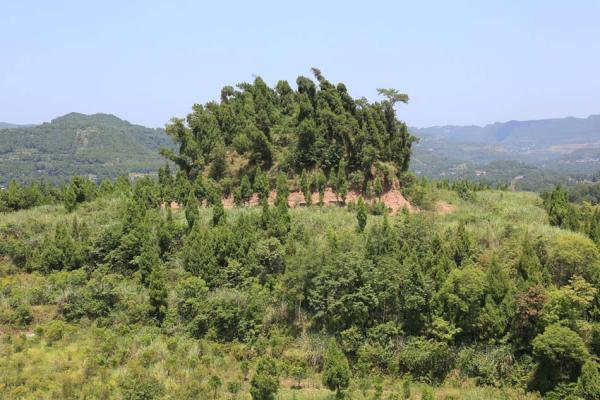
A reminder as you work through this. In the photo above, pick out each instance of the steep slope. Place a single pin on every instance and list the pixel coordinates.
(101, 145)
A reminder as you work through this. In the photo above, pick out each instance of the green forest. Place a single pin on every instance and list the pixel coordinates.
(100, 146)
(265, 261)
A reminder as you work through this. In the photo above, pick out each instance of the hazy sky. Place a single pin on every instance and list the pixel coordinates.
(461, 62)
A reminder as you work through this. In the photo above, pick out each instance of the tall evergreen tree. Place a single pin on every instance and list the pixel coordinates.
(342, 181)
(305, 187)
(191, 210)
(157, 292)
(321, 183)
(261, 185)
(336, 371)
(361, 214)
(219, 215)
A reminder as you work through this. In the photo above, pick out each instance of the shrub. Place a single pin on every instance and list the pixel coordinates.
(425, 359)
(54, 331)
(560, 353)
(589, 380)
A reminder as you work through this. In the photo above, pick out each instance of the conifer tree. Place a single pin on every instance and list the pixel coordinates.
(157, 292)
(283, 190)
(378, 186)
(321, 183)
(245, 190)
(264, 384)
(557, 205)
(462, 245)
(336, 371)
(261, 185)
(361, 214)
(70, 199)
(528, 265)
(148, 260)
(305, 187)
(342, 182)
(219, 216)
(191, 210)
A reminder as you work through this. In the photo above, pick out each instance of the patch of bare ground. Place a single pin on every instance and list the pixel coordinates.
(393, 200)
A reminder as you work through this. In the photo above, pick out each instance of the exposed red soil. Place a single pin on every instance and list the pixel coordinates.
(393, 199)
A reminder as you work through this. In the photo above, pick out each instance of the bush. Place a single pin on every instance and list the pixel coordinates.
(589, 380)
(54, 331)
(22, 315)
(491, 366)
(560, 353)
(140, 385)
(426, 359)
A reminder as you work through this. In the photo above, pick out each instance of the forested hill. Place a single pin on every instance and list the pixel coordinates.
(534, 155)
(317, 126)
(100, 145)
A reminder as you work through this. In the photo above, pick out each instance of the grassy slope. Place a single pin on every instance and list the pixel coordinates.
(52, 370)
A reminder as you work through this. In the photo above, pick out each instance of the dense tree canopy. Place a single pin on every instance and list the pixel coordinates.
(317, 125)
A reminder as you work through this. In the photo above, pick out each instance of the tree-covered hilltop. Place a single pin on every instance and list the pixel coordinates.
(76, 144)
(316, 125)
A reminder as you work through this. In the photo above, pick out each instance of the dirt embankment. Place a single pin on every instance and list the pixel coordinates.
(393, 199)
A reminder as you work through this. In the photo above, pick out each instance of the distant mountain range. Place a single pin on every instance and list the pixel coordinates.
(522, 135)
(6, 125)
(529, 151)
(99, 145)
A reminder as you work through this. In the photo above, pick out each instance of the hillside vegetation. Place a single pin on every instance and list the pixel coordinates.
(315, 127)
(107, 292)
(122, 299)
(101, 145)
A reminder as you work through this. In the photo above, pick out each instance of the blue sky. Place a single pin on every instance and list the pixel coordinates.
(461, 62)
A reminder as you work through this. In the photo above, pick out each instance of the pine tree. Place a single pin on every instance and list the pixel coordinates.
(245, 190)
(529, 266)
(462, 246)
(157, 292)
(70, 199)
(148, 260)
(166, 232)
(342, 182)
(305, 187)
(557, 205)
(361, 214)
(192, 214)
(378, 187)
(261, 185)
(321, 183)
(264, 384)
(336, 371)
(219, 216)
(283, 190)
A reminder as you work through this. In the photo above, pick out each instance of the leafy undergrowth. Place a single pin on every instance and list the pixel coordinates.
(89, 328)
